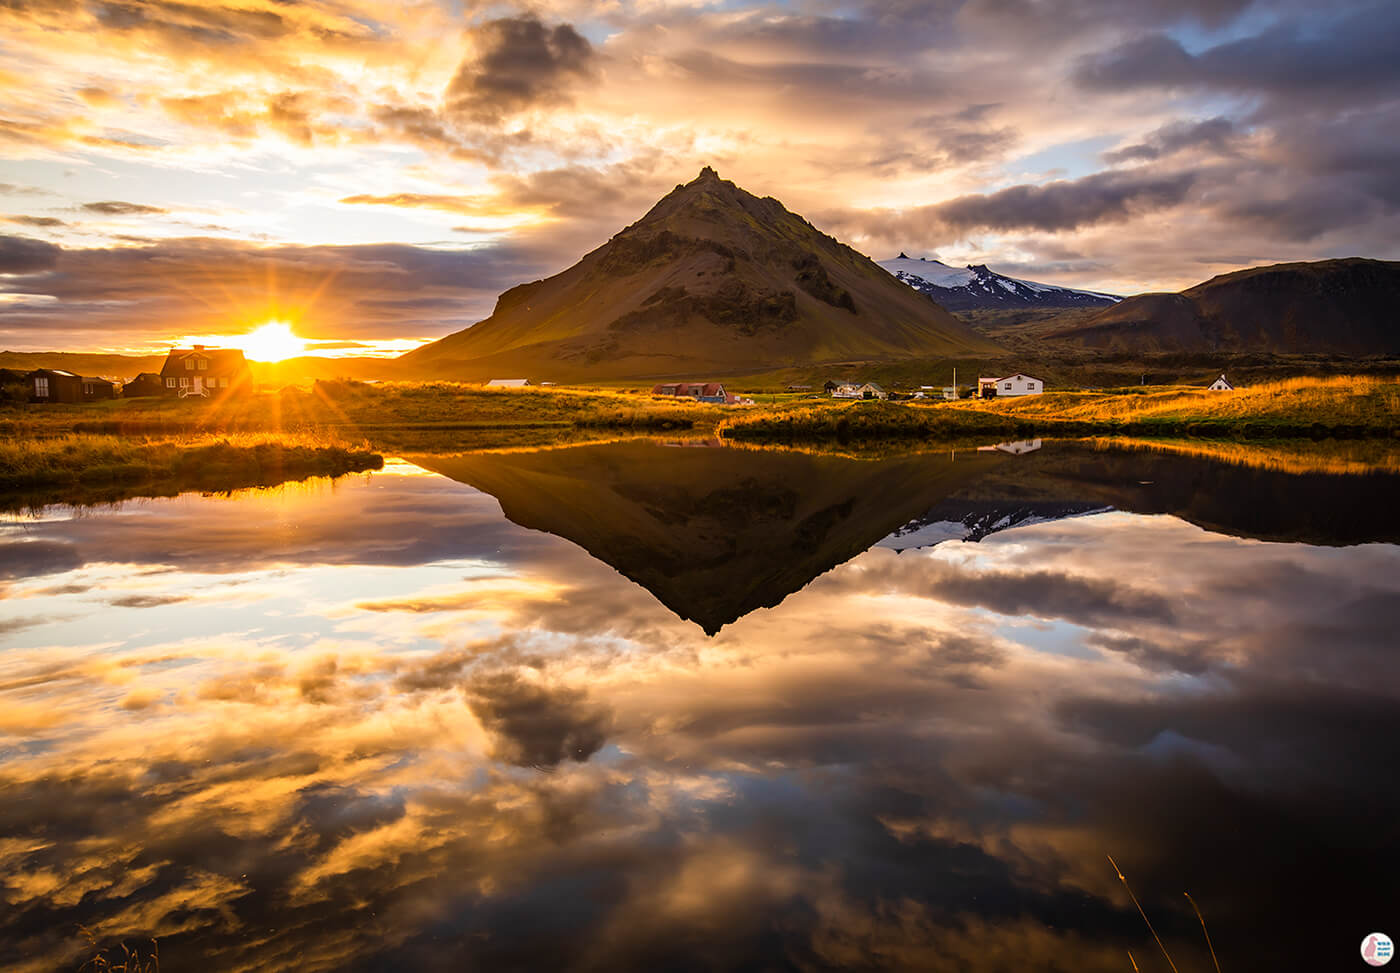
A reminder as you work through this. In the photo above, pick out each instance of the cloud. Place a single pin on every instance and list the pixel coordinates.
(534, 725)
(23, 255)
(43, 222)
(518, 63)
(1212, 133)
(1348, 56)
(118, 208)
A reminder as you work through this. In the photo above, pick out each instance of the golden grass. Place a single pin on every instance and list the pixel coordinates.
(1335, 457)
(248, 457)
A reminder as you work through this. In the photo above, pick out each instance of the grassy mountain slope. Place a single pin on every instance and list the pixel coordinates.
(1337, 307)
(713, 279)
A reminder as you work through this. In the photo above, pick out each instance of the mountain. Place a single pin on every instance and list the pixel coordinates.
(1332, 307)
(713, 280)
(978, 288)
(713, 533)
(973, 520)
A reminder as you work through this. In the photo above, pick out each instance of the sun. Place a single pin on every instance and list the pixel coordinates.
(273, 341)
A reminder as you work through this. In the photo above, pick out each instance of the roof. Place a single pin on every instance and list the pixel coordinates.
(503, 383)
(226, 360)
(1007, 378)
(689, 388)
(53, 371)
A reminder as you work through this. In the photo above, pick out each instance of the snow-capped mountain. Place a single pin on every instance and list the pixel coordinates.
(972, 520)
(976, 287)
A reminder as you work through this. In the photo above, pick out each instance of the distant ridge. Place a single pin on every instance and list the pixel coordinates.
(978, 287)
(1333, 307)
(712, 280)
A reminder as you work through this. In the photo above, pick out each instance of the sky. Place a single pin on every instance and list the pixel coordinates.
(376, 174)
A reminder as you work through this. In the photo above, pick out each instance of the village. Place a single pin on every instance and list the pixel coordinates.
(203, 372)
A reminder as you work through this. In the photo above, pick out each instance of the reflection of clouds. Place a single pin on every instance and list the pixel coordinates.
(880, 772)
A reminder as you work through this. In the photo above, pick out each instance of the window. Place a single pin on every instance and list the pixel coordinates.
(189, 364)
(223, 383)
(1007, 386)
(41, 386)
(170, 383)
(203, 365)
(184, 382)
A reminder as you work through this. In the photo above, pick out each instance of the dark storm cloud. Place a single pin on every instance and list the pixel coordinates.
(1352, 56)
(519, 63)
(535, 725)
(1213, 133)
(1066, 204)
(22, 255)
(114, 207)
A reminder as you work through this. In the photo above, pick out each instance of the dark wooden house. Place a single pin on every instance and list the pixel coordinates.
(204, 371)
(95, 389)
(55, 385)
(147, 383)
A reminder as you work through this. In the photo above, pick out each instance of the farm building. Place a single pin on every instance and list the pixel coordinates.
(1009, 385)
(700, 391)
(100, 388)
(1220, 385)
(55, 385)
(508, 383)
(868, 390)
(205, 371)
(147, 383)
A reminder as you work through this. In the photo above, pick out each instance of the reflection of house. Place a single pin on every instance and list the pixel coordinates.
(100, 388)
(1017, 384)
(869, 390)
(205, 371)
(55, 385)
(508, 383)
(1015, 449)
(700, 391)
(147, 383)
(1220, 385)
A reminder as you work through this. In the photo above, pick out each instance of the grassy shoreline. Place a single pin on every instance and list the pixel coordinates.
(58, 468)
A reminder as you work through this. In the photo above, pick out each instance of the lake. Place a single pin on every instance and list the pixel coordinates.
(685, 707)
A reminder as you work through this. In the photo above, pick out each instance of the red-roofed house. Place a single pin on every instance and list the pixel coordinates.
(701, 391)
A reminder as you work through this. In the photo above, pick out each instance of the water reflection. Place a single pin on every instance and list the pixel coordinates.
(386, 728)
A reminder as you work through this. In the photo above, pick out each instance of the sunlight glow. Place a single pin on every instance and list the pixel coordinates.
(273, 341)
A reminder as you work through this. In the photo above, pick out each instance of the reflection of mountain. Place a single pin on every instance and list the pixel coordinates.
(971, 520)
(713, 533)
(1224, 498)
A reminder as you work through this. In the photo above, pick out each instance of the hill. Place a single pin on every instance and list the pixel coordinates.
(1331, 307)
(712, 280)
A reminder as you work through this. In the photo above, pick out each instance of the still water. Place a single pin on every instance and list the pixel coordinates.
(639, 706)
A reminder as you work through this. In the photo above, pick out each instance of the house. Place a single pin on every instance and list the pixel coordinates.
(205, 371)
(799, 388)
(950, 393)
(1019, 448)
(100, 388)
(1220, 385)
(1017, 384)
(869, 390)
(508, 383)
(55, 385)
(147, 383)
(700, 391)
